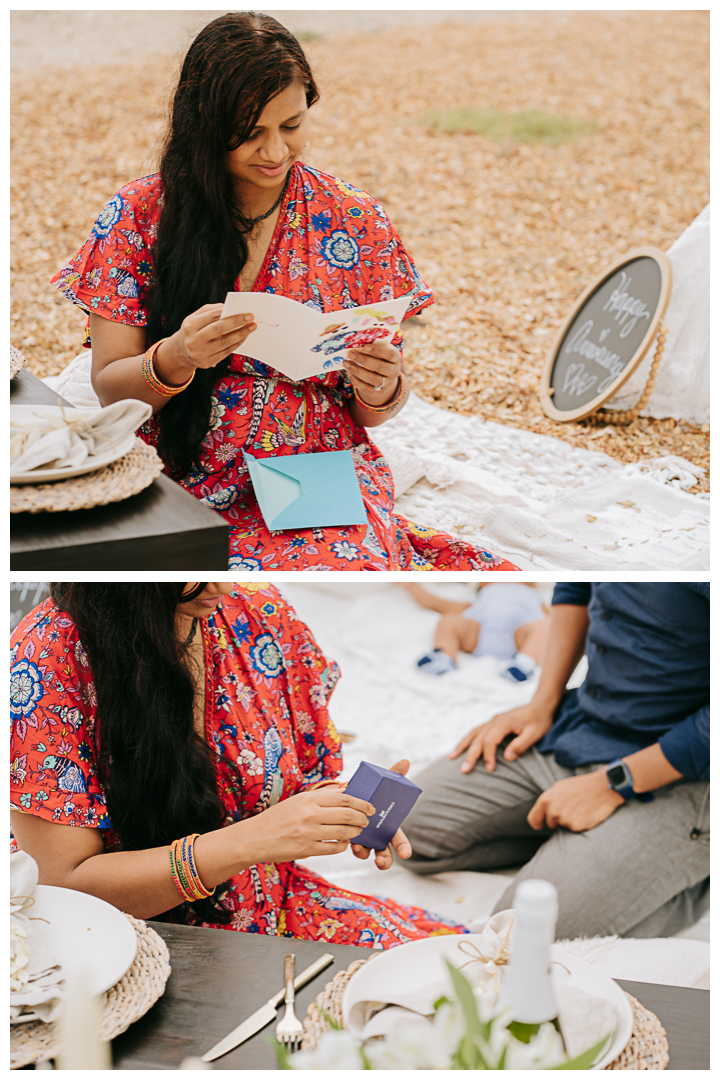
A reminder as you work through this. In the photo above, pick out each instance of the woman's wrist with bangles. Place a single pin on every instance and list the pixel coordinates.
(184, 871)
(393, 402)
(196, 862)
(224, 852)
(166, 375)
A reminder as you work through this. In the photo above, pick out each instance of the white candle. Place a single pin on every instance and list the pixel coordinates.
(79, 1024)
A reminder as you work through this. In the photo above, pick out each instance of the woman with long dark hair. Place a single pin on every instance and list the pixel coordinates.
(172, 753)
(234, 209)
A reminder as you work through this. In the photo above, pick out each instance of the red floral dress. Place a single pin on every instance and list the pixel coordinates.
(333, 247)
(270, 736)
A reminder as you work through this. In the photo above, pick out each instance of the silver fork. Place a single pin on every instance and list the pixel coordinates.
(290, 1030)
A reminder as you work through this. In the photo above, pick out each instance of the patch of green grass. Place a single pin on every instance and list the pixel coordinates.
(526, 125)
(309, 35)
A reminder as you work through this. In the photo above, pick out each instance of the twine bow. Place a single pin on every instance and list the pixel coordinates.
(493, 963)
(28, 901)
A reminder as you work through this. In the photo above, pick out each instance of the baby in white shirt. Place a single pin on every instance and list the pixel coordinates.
(506, 620)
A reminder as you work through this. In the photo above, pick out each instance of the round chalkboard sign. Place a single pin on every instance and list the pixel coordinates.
(607, 334)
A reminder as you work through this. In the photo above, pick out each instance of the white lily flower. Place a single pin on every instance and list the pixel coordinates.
(450, 1025)
(410, 1046)
(337, 1050)
(544, 1051)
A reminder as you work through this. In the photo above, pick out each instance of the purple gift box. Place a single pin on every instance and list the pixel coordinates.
(393, 797)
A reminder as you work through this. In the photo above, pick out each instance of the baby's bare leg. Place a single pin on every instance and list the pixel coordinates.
(531, 637)
(455, 634)
(435, 603)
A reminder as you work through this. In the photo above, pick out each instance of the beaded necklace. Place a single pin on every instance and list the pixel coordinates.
(253, 221)
(191, 634)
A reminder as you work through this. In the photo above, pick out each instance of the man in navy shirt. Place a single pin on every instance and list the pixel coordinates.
(604, 789)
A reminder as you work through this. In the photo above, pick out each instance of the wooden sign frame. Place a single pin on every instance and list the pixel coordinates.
(546, 390)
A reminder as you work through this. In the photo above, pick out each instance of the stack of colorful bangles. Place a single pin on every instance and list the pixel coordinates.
(151, 378)
(390, 405)
(182, 867)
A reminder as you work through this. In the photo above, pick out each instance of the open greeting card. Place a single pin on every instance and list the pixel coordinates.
(299, 341)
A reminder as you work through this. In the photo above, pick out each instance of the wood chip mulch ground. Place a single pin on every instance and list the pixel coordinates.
(507, 235)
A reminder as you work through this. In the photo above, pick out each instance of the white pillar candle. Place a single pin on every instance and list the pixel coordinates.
(81, 1046)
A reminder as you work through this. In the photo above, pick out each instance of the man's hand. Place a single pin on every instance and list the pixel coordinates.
(529, 723)
(383, 859)
(577, 803)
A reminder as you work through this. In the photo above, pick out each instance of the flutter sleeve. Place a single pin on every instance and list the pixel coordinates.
(112, 273)
(392, 264)
(52, 714)
(405, 276)
(355, 250)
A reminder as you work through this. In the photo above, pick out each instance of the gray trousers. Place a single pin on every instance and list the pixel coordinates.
(637, 874)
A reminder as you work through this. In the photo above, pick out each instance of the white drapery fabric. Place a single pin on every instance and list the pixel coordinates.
(682, 388)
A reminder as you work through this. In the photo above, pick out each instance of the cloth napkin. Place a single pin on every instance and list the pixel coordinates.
(54, 440)
(481, 962)
(584, 1018)
(35, 977)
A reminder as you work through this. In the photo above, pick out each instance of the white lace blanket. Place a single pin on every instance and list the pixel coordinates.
(538, 500)
(529, 497)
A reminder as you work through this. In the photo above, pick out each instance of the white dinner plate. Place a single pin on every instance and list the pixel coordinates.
(28, 413)
(422, 962)
(84, 933)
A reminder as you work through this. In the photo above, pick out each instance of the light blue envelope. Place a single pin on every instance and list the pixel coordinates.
(306, 491)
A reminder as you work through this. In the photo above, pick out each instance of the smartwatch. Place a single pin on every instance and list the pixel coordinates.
(620, 779)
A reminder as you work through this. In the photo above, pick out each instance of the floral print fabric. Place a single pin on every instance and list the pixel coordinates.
(333, 247)
(270, 736)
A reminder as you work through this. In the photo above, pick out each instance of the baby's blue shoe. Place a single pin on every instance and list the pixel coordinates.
(520, 668)
(436, 663)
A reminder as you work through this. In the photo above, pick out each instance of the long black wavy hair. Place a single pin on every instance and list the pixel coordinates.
(155, 769)
(235, 65)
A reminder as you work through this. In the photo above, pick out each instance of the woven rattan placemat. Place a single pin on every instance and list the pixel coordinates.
(113, 483)
(129, 999)
(647, 1048)
(17, 361)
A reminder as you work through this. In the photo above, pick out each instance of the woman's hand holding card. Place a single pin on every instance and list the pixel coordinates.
(374, 371)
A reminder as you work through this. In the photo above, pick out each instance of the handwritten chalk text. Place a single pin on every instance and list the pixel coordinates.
(611, 361)
(577, 380)
(626, 306)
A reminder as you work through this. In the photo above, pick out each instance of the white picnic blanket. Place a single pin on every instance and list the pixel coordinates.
(74, 383)
(376, 633)
(541, 502)
(533, 498)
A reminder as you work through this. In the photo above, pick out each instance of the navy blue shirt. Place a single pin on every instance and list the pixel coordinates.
(648, 679)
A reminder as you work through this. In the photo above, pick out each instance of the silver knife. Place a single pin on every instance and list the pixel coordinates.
(266, 1012)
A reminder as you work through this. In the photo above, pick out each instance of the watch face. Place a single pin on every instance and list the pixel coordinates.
(619, 776)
